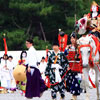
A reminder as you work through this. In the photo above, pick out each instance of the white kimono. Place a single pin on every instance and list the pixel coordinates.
(42, 69)
(32, 58)
(6, 75)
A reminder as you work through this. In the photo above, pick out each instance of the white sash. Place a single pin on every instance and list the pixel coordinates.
(57, 74)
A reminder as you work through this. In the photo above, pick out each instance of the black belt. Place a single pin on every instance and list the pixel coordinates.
(32, 67)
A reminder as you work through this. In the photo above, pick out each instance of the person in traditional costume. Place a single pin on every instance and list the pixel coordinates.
(10, 62)
(42, 67)
(94, 10)
(73, 78)
(35, 85)
(62, 38)
(22, 84)
(11, 66)
(90, 23)
(95, 20)
(56, 67)
(6, 75)
(23, 56)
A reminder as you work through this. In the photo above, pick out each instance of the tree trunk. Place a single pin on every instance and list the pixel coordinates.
(29, 28)
(42, 31)
(14, 22)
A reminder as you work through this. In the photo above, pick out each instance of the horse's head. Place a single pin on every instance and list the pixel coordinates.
(85, 54)
(85, 51)
(81, 25)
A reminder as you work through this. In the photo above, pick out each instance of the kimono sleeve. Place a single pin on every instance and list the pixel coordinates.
(47, 71)
(64, 63)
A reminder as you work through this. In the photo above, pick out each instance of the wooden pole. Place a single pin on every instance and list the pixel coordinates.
(42, 31)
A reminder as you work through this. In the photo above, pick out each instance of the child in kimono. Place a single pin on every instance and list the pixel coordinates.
(55, 70)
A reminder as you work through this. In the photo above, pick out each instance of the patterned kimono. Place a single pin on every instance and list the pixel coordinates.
(73, 78)
(52, 72)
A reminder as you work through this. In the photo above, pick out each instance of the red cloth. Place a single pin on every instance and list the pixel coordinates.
(17, 82)
(99, 47)
(62, 42)
(21, 61)
(1, 87)
(46, 59)
(89, 15)
(96, 42)
(74, 66)
(47, 82)
(92, 82)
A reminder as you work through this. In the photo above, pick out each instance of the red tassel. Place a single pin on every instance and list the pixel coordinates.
(5, 45)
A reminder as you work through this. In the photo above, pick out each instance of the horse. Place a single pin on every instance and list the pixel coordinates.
(89, 55)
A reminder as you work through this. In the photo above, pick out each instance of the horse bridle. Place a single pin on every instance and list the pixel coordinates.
(90, 57)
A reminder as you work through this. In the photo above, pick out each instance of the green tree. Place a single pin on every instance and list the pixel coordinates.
(15, 40)
(40, 44)
(42, 18)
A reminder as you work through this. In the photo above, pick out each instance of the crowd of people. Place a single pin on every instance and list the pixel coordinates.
(6, 73)
(60, 77)
(9, 83)
(34, 77)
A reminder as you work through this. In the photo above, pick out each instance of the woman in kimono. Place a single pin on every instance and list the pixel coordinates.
(22, 84)
(72, 77)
